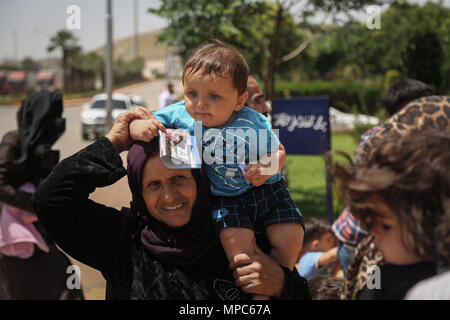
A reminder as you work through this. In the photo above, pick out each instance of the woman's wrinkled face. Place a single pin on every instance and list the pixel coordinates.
(168, 194)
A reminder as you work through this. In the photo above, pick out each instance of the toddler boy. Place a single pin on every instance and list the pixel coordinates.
(215, 85)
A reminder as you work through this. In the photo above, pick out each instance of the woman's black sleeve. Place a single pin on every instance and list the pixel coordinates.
(86, 230)
(295, 286)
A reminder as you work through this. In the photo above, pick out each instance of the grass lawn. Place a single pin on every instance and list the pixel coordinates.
(306, 176)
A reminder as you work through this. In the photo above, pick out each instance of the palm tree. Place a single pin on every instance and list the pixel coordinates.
(67, 42)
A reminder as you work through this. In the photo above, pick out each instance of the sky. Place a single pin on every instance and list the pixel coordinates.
(33, 22)
(27, 25)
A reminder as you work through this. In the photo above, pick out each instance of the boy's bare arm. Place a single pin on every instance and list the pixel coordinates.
(145, 130)
(257, 174)
(281, 157)
(328, 257)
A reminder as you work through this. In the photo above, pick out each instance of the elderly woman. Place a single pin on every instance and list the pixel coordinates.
(164, 245)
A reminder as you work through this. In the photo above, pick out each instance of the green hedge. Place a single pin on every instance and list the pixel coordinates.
(346, 96)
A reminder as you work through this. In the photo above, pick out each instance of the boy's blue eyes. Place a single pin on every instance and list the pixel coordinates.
(212, 96)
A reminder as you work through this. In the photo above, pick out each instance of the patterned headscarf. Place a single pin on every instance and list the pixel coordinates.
(432, 112)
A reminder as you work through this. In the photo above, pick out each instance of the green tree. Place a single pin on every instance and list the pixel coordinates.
(28, 64)
(122, 67)
(377, 51)
(269, 33)
(67, 43)
(423, 58)
(89, 62)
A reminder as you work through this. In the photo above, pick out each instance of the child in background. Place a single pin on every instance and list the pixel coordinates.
(401, 195)
(215, 85)
(319, 252)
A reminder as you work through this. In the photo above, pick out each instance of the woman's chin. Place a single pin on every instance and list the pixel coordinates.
(178, 222)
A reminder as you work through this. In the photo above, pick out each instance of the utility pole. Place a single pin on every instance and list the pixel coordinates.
(15, 46)
(109, 65)
(136, 28)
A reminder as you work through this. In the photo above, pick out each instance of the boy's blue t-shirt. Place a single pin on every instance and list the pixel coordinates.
(225, 147)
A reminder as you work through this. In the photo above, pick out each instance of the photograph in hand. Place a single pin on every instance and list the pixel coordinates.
(178, 149)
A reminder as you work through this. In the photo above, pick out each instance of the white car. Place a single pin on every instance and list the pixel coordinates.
(93, 116)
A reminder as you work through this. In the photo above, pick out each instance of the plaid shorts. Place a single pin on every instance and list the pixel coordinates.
(256, 209)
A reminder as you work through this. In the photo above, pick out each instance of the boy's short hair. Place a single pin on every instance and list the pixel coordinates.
(314, 229)
(411, 174)
(403, 92)
(326, 287)
(219, 59)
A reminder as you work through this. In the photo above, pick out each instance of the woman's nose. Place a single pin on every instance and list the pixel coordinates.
(167, 192)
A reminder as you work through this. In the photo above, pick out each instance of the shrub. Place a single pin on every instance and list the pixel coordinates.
(343, 94)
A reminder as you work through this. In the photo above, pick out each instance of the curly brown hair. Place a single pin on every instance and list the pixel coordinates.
(411, 174)
(326, 287)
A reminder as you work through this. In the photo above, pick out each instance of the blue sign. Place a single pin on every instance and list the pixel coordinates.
(303, 124)
(304, 128)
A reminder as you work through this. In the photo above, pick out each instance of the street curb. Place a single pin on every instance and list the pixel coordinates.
(123, 90)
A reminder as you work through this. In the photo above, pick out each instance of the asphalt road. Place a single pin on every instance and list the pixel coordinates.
(117, 195)
(71, 141)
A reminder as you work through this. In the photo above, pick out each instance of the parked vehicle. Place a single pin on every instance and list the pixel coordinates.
(137, 100)
(93, 116)
(49, 80)
(3, 83)
(17, 82)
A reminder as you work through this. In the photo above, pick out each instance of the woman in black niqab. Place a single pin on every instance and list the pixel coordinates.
(26, 156)
(40, 124)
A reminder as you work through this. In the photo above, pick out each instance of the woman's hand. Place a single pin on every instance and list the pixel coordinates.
(258, 273)
(145, 130)
(119, 135)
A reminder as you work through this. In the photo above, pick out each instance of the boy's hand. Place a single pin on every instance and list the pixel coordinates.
(145, 130)
(257, 173)
(268, 166)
